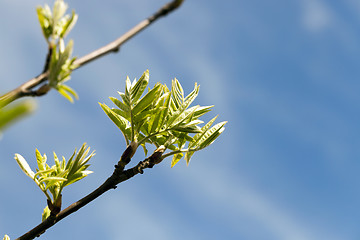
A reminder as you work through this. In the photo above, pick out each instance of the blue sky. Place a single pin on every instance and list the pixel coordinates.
(284, 74)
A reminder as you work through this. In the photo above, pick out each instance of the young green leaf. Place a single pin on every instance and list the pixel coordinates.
(52, 180)
(176, 159)
(119, 121)
(189, 99)
(185, 116)
(120, 105)
(45, 214)
(210, 136)
(24, 165)
(204, 129)
(148, 99)
(41, 160)
(157, 123)
(125, 99)
(70, 23)
(200, 111)
(140, 86)
(6, 237)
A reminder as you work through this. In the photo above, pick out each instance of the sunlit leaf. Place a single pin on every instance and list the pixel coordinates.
(162, 114)
(24, 165)
(210, 136)
(200, 111)
(52, 180)
(125, 99)
(148, 99)
(119, 121)
(173, 120)
(45, 214)
(64, 93)
(140, 86)
(41, 160)
(6, 237)
(59, 10)
(120, 105)
(187, 129)
(176, 159)
(70, 23)
(204, 129)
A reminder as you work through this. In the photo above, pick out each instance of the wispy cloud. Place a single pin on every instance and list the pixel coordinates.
(236, 200)
(316, 15)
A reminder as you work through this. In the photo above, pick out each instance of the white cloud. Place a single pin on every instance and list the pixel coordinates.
(316, 15)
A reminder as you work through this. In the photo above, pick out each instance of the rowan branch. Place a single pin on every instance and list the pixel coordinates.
(27, 89)
(119, 175)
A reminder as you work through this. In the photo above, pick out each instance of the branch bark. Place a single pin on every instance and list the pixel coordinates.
(26, 89)
(119, 175)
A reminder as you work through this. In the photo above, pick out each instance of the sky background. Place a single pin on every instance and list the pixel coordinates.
(284, 74)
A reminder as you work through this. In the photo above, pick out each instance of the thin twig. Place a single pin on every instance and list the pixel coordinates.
(117, 177)
(26, 89)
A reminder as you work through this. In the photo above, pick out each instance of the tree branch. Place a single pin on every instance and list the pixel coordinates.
(26, 89)
(119, 175)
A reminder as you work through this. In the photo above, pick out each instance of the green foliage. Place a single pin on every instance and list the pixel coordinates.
(55, 26)
(52, 180)
(13, 112)
(162, 117)
(60, 68)
(45, 214)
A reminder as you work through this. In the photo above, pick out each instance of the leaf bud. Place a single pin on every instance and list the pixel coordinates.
(156, 157)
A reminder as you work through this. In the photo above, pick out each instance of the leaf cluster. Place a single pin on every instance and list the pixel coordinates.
(52, 180)
(55, 26)
(60, 68)
(162, 117)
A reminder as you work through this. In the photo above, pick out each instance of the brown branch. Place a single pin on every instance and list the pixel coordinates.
(26, 89)
(117, 177)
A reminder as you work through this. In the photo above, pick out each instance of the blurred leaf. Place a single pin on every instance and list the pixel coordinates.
(67, 92)
(204, 129)
(6, 237)
(46, 21)
(14, 112)
(69, 24)
(59, 10)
